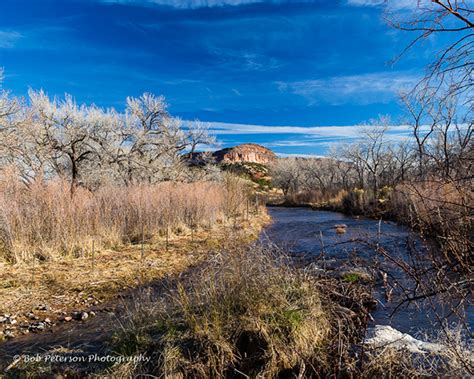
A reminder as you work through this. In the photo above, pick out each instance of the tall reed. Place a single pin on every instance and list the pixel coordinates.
(45, 221)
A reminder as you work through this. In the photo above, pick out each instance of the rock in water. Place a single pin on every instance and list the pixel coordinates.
(340, 228)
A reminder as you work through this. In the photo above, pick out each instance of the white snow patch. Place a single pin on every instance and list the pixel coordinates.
(386, 336)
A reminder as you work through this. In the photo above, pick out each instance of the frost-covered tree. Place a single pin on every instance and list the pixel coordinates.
(156, 141)
(68, 133)
(45, 137)
(9, 107)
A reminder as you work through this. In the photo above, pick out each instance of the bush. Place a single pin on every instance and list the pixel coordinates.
(246, 312)
(442, 210)
(357, 201)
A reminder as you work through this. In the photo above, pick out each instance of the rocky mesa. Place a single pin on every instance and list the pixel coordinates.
(248, 152)
(244, 153)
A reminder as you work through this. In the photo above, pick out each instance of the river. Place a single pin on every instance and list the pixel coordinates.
(311, 237)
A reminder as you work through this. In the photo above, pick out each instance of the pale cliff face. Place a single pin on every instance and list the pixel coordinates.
(247, 153)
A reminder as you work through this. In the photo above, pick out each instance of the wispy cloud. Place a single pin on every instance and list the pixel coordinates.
(294, 143)
(190, 4)
(391, 4)
(360, 89)
(8, 39)
(297, 140)
(244, 59)
(236, 92)
(323, 131)
(194, 4)
(334, 132)
(366, 3)
(284, 155)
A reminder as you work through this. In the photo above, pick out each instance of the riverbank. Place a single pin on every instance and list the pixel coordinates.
(38, 297)
(242, 312)
(333, 204)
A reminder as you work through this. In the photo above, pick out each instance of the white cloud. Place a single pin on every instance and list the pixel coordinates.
(398, 4)
(8, 39)
(334, 131)
(361, 89)
(188, 4)
(296, 143)
(236, 92)
(393, 5)
(283, 155)
(191, 4)
(366, 3)
(320, 138)
(312, 132)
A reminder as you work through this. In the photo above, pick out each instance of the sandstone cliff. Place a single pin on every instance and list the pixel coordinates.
(245, 153)
(248, 152)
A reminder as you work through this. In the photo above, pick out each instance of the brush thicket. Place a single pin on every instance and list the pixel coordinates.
(45, 221)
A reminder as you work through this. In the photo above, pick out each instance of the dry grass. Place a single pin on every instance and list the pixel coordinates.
(443, 210)
(246, 313)
(45, 222)
(330, 199)
(59, 250)
(65, 283)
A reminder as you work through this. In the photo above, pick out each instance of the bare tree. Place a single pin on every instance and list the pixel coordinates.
(440, 105)
(370, 155)
(155, 141)
(453, 66)
(8, 106)
(149, 111)
(286, 174)
(8, 109)
(400, 162)
(90, 145)
(65, 129)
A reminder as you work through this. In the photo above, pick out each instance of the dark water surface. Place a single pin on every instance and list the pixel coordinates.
(311, 236)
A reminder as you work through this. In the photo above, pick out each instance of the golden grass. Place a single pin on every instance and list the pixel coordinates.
(58, 249)
(65, 283)
(46, 222)
(245, 312)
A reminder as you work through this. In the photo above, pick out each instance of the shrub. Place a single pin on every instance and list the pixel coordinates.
(442, 210)
(245, 312)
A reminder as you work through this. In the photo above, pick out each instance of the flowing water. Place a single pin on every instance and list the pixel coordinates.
(381, 249)
(310, 237)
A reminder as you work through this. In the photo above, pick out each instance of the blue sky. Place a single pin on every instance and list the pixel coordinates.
(244, 66)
